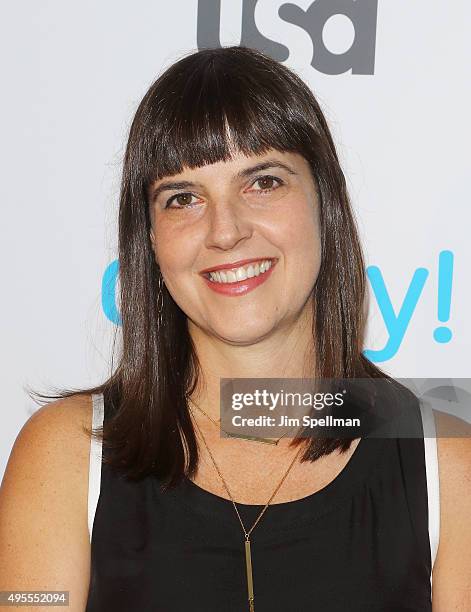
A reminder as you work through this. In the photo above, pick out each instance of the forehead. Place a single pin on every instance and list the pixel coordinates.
(240, 165)
(236, 169)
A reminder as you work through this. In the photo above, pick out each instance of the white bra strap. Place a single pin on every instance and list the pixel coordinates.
(94, 474)
(433, 482)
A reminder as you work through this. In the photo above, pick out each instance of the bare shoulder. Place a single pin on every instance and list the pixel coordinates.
(62, 417)
(44, 541)
(452, 570)
(454, 461)
(52, 441)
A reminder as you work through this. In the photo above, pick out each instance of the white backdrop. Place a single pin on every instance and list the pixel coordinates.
(73, 74)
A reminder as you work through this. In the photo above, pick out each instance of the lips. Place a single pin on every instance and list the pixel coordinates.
(235, 264)
(241, 287)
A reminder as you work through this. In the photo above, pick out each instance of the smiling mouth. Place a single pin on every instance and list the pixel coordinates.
(241, 273)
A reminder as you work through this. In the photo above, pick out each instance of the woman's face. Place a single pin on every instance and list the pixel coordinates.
(254, 209)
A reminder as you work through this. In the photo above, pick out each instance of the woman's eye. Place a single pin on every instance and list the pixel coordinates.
(267, 183)
(182, 199)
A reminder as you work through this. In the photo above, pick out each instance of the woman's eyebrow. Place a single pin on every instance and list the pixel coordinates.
(171, 185)
(269, 163)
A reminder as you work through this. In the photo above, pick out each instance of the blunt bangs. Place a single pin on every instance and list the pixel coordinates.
(215, 108)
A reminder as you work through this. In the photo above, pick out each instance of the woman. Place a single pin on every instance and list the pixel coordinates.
(230, 167)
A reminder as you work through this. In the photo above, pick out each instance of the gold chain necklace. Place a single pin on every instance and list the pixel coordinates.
(248, 556)
(233, 435)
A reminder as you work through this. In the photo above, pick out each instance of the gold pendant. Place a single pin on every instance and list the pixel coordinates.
(266, 440)
(248, 561)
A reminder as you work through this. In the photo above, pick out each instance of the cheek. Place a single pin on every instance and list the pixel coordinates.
(176, 255)
(171, 247)
(172, 260)
(302, 245)
(299, 230)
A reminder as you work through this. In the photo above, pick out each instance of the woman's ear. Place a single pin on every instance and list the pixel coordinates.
(153, 244)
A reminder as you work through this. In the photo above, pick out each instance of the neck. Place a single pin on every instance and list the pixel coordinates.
(287, 354)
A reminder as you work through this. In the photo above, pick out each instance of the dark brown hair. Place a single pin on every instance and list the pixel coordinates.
(182, 121)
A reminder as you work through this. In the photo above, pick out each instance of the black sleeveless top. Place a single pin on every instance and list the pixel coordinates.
(360, 544)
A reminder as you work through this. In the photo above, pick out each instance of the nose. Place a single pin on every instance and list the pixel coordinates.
(227, 225)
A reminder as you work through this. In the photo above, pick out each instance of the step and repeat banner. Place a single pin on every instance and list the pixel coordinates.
(393, 81)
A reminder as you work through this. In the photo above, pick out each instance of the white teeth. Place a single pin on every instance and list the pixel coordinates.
(242, 273)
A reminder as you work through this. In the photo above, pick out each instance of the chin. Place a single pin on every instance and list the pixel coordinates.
(243, 333)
